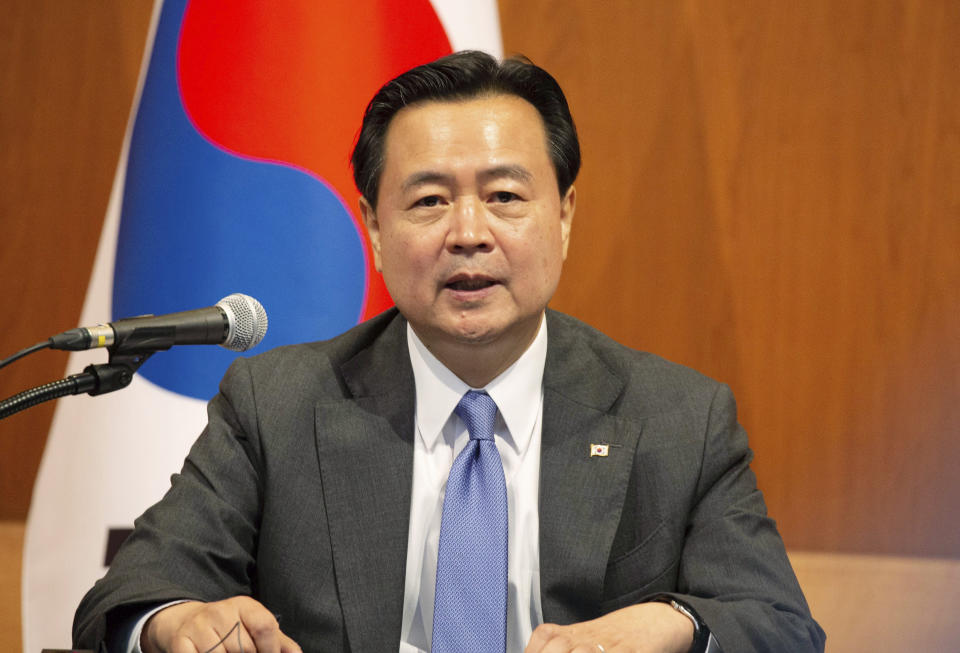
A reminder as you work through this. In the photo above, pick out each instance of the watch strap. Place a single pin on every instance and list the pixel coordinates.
(703, 639)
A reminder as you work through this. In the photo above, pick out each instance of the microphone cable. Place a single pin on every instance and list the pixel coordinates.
(24, 352)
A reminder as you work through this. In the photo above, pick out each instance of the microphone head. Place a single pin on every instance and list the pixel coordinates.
(246, 319)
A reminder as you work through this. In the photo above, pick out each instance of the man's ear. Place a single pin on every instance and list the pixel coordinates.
(567, 207)
(373, 230)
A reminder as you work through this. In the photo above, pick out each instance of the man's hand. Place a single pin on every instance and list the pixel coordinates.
(643, 628)
(195, 627)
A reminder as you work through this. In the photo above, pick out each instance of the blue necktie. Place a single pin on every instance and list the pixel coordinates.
(470, 604)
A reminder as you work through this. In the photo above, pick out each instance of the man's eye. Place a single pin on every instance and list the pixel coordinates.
(504, 196)
(428, 201)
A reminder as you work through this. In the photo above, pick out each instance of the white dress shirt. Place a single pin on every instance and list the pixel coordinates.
(440, 436)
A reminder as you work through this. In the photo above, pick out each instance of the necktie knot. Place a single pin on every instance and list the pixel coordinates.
(479, 412)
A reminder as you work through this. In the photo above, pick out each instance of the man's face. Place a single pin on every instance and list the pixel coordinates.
(470, 231)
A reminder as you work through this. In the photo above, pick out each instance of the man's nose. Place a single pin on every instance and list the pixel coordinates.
(469, 229)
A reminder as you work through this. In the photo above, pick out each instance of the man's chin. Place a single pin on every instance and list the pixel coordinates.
(474, 334)
(473, 329)
(484, 332)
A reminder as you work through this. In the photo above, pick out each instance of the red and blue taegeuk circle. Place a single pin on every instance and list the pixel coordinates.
(238, 174)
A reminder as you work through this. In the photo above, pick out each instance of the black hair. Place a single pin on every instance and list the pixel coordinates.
(463, 76)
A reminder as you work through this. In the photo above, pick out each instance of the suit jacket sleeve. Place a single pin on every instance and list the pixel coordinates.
(251, 513)
(199, 541)
(733, 567)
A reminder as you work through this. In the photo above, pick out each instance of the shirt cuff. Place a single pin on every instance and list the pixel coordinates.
(128, 636)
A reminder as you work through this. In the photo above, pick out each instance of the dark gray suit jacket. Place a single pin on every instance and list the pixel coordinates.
(298, 493)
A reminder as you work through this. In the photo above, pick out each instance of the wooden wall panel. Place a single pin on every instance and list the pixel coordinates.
(67, 76)
(770, 195)
(881, 604)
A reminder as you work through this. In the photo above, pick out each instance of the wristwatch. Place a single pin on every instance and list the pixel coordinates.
(703, 639)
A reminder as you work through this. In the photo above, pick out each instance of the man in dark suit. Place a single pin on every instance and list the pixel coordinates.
(316, 511)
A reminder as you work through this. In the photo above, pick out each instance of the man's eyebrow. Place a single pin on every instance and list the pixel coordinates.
(516, 172)
(425, 177)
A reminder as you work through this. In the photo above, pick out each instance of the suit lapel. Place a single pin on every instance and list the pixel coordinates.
(366, 465)
(581, 496)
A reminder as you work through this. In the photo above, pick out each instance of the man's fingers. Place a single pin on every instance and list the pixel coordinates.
(641, 628)
(262, 626)
(549, 638)
(233, 625)
(204, 637)
(538, 638)
(183, 645)
(575, 638)
(234, 639)
(287, 645)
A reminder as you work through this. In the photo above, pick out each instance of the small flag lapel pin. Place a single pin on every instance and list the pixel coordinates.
(602, 450)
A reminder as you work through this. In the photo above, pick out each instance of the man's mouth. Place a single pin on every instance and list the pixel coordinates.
(467, 284)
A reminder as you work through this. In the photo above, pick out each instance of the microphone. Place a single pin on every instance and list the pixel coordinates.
(237, 322)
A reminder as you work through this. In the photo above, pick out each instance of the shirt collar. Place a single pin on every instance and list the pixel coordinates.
(517, 390)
